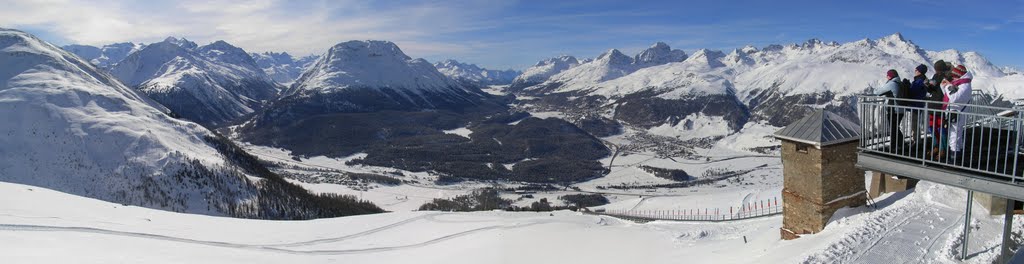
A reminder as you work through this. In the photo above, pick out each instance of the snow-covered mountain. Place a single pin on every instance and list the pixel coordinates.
(609, 66)
(790, 80)
(543, 70)
(658, 54)
(338, 104)
(212, 85)
(475, 75)
(367, 76)
(283, 67)
(71, 127)
(105, 56)
(373, 64)
(776, 84)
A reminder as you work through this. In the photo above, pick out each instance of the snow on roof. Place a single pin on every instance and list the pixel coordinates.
(820, 129)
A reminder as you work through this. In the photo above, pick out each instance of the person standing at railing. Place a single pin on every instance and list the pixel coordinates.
(893, 114)
(917, 92)
(959, 92)
(936, 104)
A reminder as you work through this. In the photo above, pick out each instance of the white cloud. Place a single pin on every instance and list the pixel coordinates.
(261, 25)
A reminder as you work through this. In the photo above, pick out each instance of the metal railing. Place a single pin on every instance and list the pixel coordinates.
(750, 210)
(979, 138)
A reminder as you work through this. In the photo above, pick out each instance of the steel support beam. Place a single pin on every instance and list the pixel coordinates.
(966, 180)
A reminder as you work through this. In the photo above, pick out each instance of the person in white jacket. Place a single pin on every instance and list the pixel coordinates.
(959, 92)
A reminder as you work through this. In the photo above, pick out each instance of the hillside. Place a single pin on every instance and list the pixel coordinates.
(73, 128)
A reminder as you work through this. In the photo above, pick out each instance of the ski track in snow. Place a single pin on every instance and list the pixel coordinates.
(935, 240)
(876, 239)
(277, 247)
(641, 202)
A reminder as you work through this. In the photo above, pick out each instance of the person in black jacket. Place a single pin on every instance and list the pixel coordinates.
(936, 104)
(917, 92)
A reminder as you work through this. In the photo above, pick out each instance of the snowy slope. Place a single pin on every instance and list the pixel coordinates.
(212, 84)
(43, 226)
(73, 128)
(283, 67)
(473, 74)
(70, 127)
(105, 56)
(607, 66)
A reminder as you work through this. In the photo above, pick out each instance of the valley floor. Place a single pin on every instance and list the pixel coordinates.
(756, 176)
(43, 226)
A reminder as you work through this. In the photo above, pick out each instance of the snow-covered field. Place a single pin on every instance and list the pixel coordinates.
(43, 226)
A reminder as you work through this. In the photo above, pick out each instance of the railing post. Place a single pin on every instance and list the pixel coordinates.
(1005, 253)
(1016, 148)
(967, 225)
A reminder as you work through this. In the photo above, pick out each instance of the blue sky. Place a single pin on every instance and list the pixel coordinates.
(517, 34)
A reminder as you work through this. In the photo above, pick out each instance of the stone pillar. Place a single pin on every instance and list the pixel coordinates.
(817, 181)
(882, 183)
(994, 204)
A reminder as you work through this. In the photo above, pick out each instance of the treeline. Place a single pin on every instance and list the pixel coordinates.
(584, 199)
(490, 199)
(671, 174)
(381, 179)
(479, 200)
(709, 177)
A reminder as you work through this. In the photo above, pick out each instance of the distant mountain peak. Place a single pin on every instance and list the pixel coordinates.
(212, 84)
(283, 67)
(182, 42)
(749, 49)
(711, 58)
(543, 70)
(560, 59)
(657, 54)
(368, 49)
(475, 74)
(373, 64)
(895, 37)
(614, 56)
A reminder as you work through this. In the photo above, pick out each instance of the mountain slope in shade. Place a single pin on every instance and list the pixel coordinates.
(212, 85)
(105, 56)
(473, 74)
(71, 127)
(282, 67)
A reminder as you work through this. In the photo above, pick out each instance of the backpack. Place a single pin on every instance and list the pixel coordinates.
(904, 93)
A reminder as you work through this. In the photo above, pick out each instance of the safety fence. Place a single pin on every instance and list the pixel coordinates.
(749, 210)
(972, 137)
